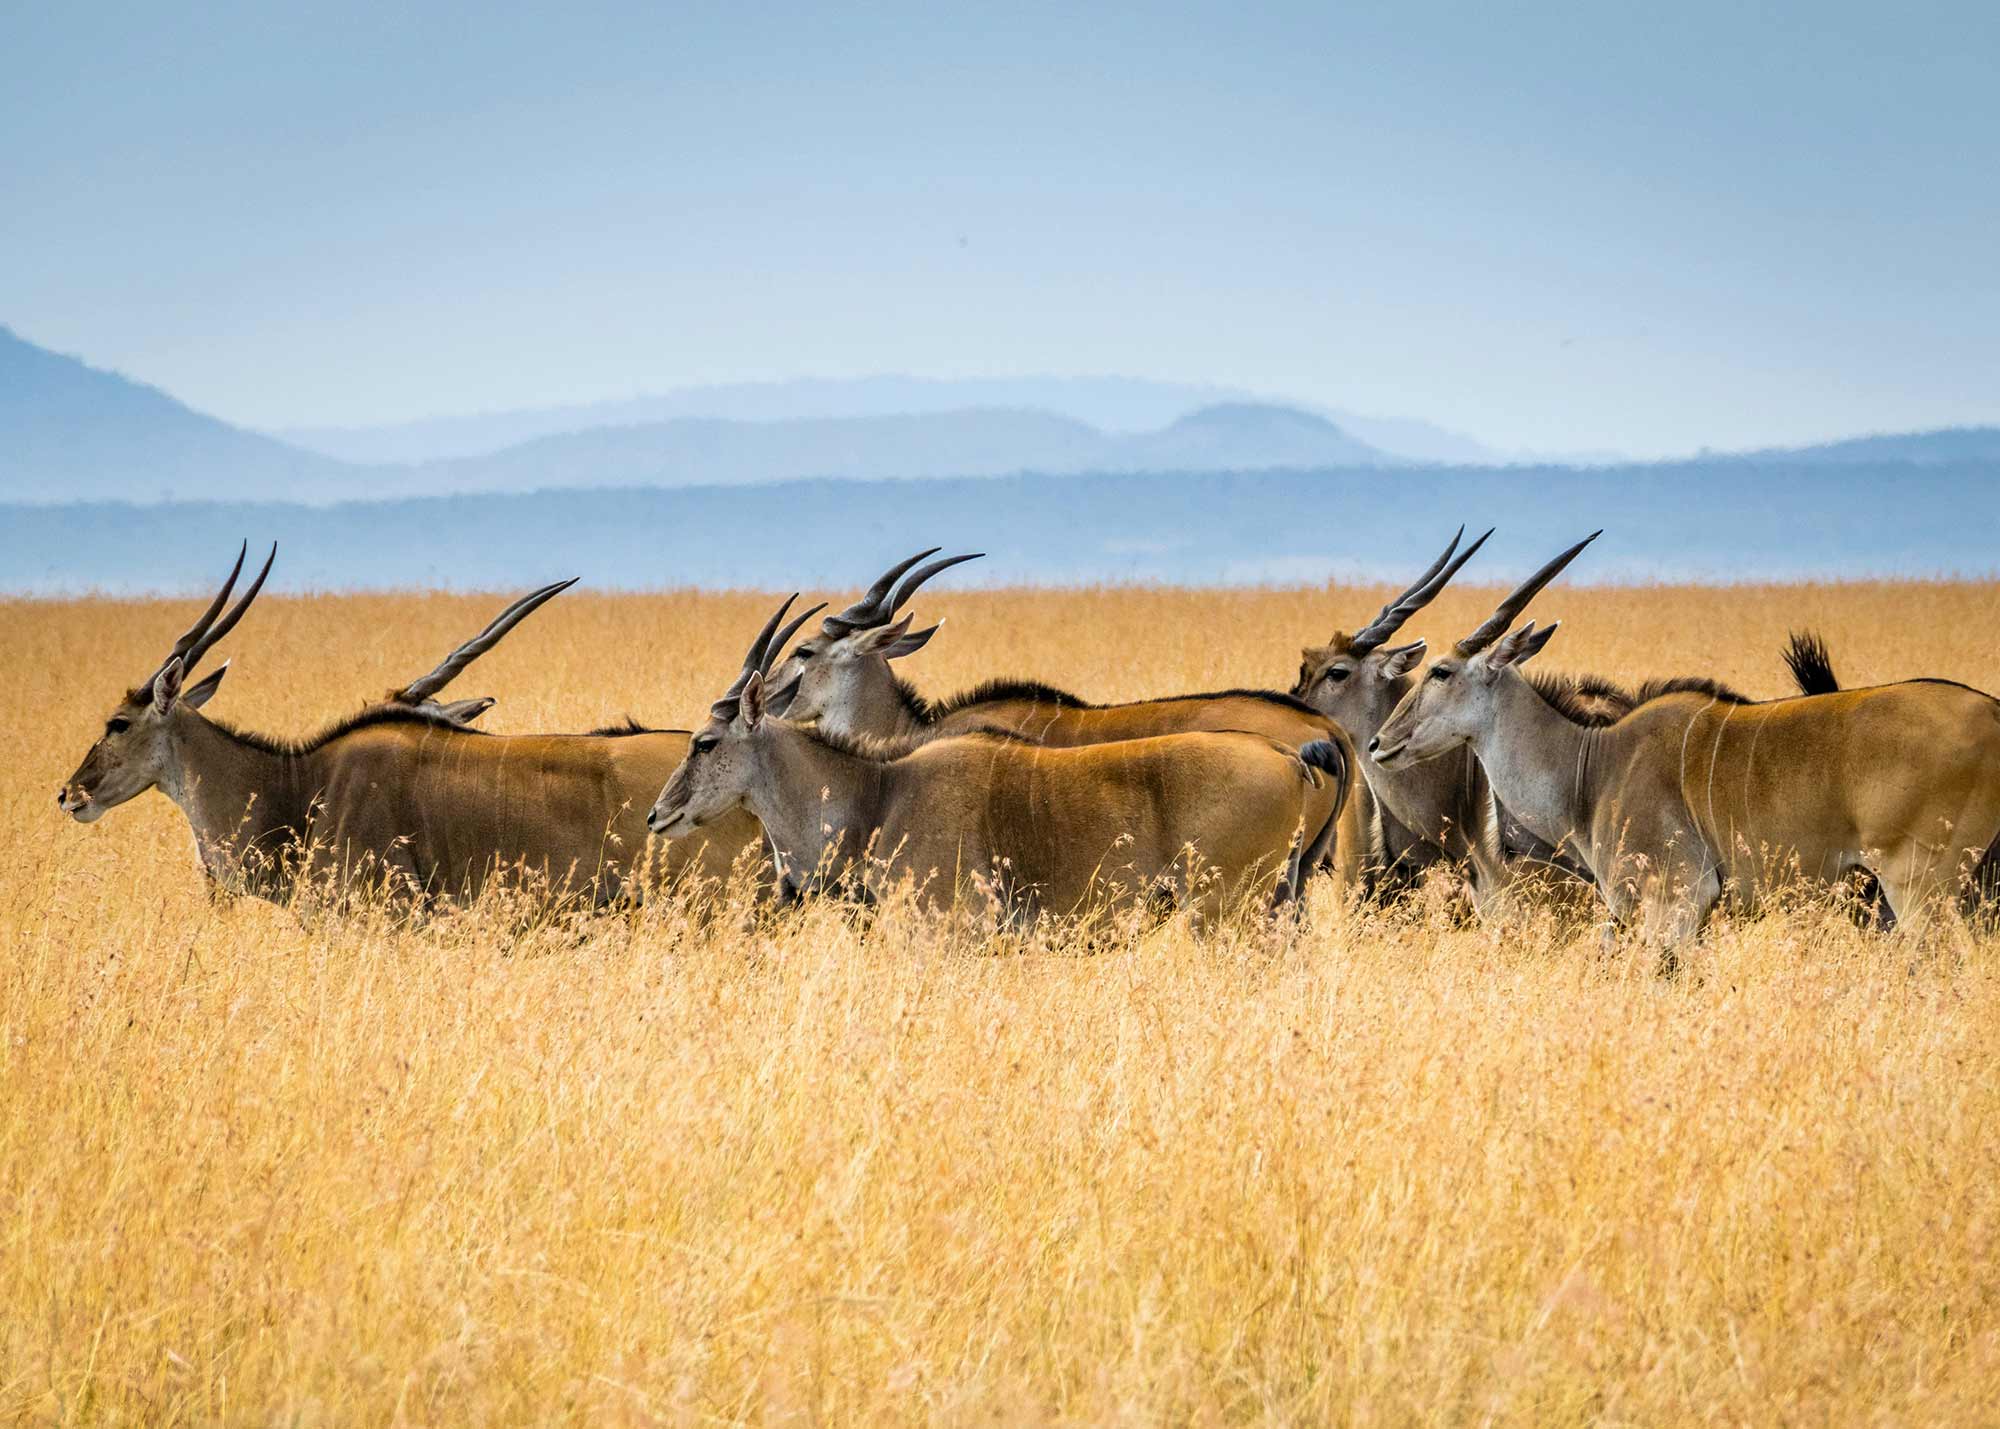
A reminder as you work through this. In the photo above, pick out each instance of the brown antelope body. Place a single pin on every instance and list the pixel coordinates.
(840, 680)
(990, 815)
(1691, 795)
(402, 796)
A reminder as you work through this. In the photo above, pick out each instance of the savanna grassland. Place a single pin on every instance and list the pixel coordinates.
(1382, 1167)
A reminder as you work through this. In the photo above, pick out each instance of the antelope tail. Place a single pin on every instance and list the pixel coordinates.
(1811, 666)
(1323, 756)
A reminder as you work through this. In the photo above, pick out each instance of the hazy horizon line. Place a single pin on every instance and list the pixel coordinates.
(289, 431)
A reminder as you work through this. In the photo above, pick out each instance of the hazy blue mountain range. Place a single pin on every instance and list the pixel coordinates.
(1111, 404)
(697, 451)
(107, 483)
(1951, 445)
(69, 432)
(1717, 520)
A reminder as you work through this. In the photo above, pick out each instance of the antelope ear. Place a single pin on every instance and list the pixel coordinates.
(1518, 645)
(466, 711)
(167, 686)
(750, 706)
(881, 639)
(1399, 660)
(1539, 639)
(197, 694)
(910, 644)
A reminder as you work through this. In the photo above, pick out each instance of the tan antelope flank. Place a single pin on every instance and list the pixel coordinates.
(991, 817)
(1691, 796)
(840, 680)
(400, 796)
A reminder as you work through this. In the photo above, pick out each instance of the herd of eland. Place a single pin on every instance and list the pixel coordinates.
(820, 772)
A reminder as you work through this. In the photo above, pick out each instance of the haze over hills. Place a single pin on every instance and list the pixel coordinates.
(70, 432)
(1947, 445)
(1112, 404)
(693, 451)
(108, 483)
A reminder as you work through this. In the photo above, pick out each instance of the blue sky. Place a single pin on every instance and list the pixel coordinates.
(1557, 226)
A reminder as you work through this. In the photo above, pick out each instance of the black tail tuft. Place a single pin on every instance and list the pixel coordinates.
(1327, 756)
(1811, 666)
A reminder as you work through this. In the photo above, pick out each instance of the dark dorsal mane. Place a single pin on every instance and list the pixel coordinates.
(1269, 697)
(1033, 691)
(1595, 702)
(993, 692)
(1588, 700)
(369, 718)
(624, 727)
(887, 749)
(1692, 685)
(1595, 687)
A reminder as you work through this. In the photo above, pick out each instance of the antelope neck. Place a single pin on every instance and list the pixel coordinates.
(881, 707)
(238, 795)
(1537, 761)
(810, 796)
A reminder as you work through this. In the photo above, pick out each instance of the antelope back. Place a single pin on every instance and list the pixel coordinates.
(1060, 722)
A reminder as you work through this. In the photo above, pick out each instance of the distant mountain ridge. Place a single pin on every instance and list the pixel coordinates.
(1125, 405)
(691, 451)
(71, 432)
(1945, 445)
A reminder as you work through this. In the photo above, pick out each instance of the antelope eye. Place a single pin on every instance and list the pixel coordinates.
(1338, 673)
(1438, 672)
(705, 743)
(117, 724)
(804, 652)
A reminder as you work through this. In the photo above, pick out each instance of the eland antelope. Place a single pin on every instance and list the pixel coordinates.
(987, 813)
(1691, 797)
(840, 680)
(1444, 808)
(401, 796)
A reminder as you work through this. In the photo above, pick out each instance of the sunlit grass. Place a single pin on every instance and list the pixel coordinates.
(704, 1164)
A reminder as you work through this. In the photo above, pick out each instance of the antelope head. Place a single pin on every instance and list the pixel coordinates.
(721, 763)
(1457, 700)
(840, 675)
(1356, 680)
(137, 750)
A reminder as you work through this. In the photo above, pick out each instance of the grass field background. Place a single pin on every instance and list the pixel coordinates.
(1382, 1167)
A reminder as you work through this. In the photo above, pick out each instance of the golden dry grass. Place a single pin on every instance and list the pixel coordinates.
(1382, 1168)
